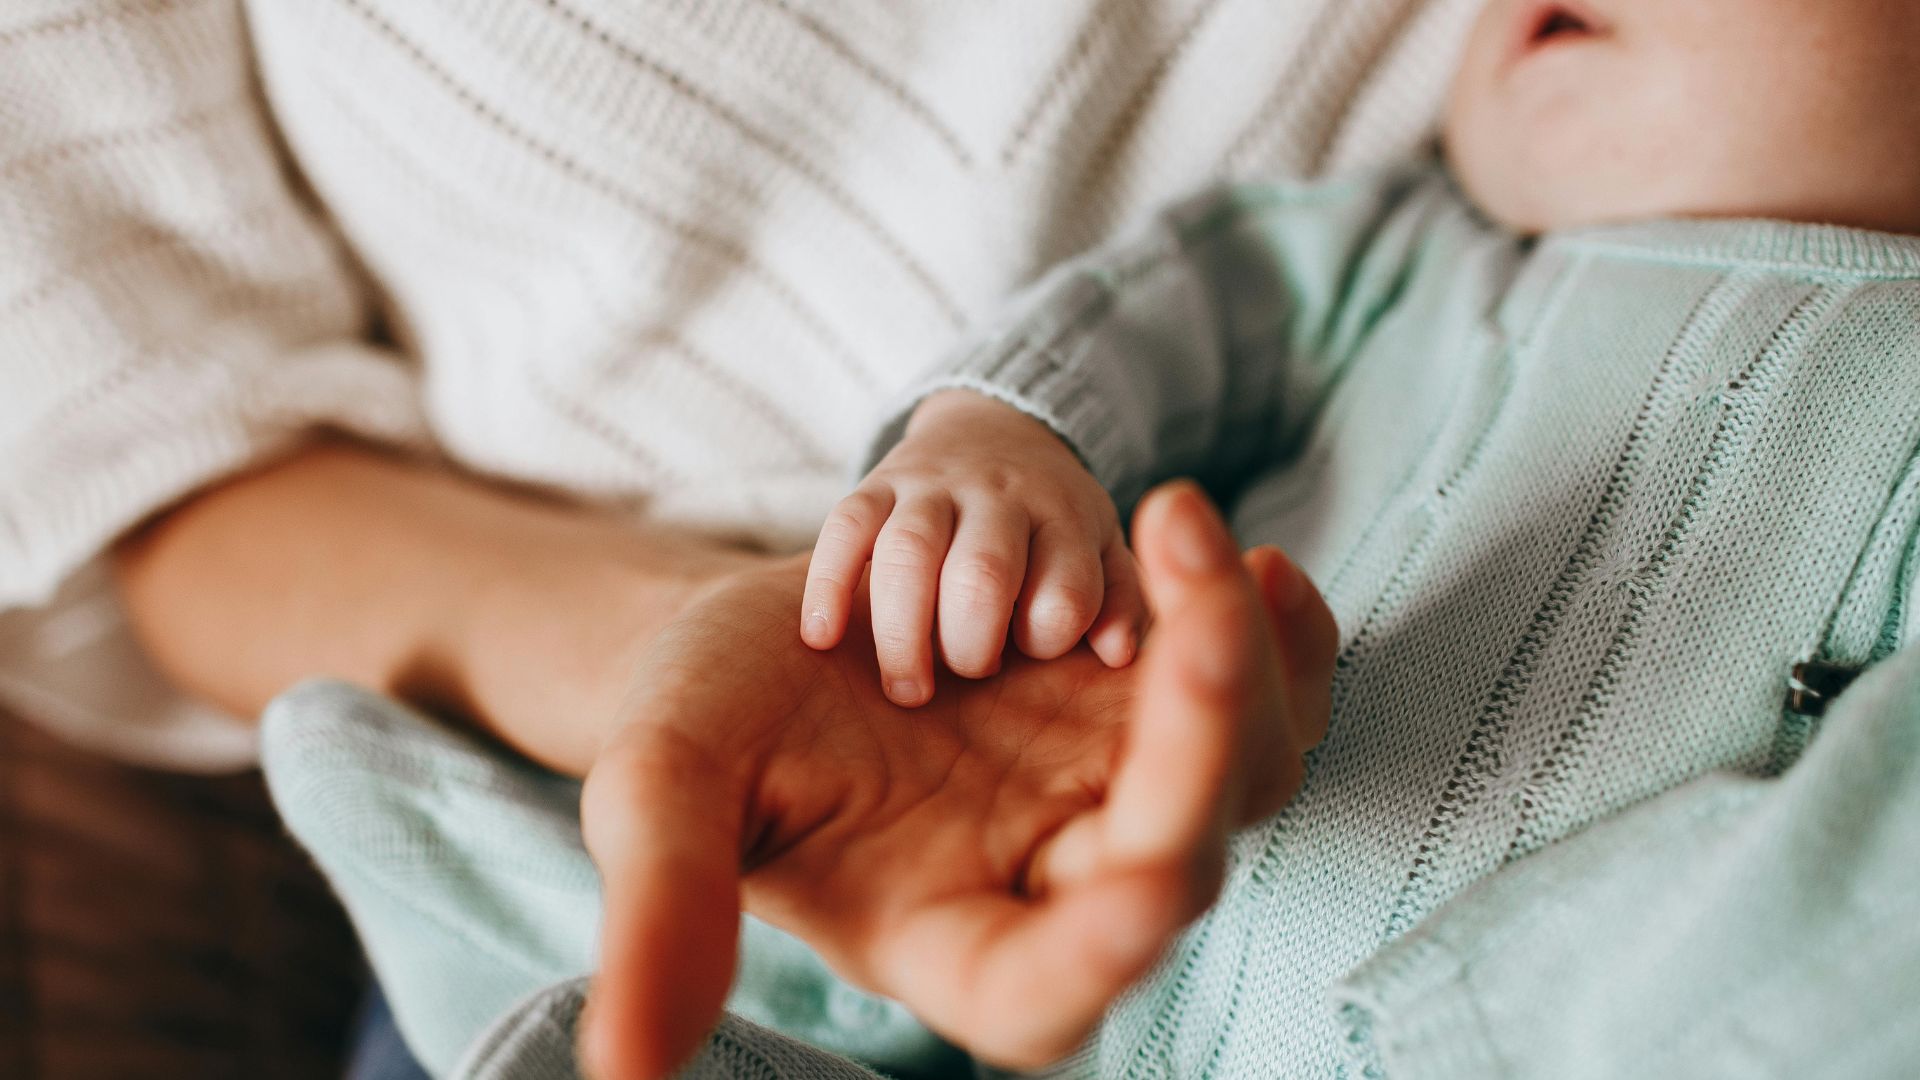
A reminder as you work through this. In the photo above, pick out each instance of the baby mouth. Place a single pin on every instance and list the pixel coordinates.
(1556, 24)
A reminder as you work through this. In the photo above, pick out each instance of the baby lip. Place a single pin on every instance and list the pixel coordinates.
(1557, 23)
(1548, 24)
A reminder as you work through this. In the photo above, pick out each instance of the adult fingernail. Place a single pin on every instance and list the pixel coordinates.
(1195, 538)
(1290, 587)
(1284, 583)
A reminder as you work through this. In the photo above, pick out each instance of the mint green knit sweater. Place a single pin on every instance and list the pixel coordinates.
(1579, 505)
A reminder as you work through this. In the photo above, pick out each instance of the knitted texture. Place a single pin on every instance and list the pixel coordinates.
(468, 880)
(535, 1040)
(1579, 507)
(1738, 926)
(670, 255)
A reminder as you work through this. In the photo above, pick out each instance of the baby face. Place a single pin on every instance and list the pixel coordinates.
(1584, 112)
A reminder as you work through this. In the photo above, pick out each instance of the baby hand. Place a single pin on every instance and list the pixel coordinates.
(981, 517)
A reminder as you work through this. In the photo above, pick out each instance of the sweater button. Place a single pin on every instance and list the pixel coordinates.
(1812, 686)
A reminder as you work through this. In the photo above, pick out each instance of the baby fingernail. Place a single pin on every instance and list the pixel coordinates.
(1117, 645)
(904, 691)
(816, 626)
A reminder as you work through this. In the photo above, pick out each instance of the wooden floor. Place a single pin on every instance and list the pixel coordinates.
(159, 926)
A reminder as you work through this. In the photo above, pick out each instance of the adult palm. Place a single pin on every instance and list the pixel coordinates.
(1004, 860)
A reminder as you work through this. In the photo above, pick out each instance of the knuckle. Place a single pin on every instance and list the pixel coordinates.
(981, 582)
(909, 547)
(1046, 632)
(626, 769)
(865, 506)
(827, 572)
(838, 565)
(842, 532)
(824, 580)
(898, 649)
(1001, 479)
(1065, 606)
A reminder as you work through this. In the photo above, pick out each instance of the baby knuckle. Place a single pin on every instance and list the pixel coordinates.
(833, 578)
(981, 581)
(1081, 592)
(862, 508)
(1064, 608)
(897, 647)
(909, 547)
(841, 532)
(991, 474)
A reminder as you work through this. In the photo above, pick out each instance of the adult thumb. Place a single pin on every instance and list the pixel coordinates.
(1202, 681)
(662, 821)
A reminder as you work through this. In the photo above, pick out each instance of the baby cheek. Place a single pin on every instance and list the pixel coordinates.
(1557, 162)
(1636, 141)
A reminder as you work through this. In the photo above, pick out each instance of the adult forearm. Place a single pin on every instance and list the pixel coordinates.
(520, 614)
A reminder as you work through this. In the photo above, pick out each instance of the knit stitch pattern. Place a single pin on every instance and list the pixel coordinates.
(1579, 506)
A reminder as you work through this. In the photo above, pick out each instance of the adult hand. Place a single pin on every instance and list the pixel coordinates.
(1004, 861)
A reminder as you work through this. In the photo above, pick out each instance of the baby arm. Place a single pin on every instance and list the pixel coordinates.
(979, 520)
